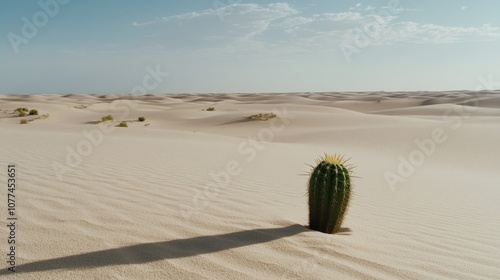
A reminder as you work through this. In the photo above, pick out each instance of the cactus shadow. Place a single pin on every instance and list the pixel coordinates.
(344, 231)
(164, 250)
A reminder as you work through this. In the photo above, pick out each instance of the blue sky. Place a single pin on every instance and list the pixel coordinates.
(111, 46)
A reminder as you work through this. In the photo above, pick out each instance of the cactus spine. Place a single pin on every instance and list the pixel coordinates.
(329, 192)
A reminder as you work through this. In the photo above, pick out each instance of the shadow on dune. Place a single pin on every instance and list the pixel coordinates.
(242, 120)
(246, 120)
(92, 122)
(173, 249)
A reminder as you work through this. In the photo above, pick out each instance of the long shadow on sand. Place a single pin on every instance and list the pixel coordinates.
(149, 252)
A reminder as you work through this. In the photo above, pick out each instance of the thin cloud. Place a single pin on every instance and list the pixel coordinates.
(414, 32)
(216, 27)
(279, 25)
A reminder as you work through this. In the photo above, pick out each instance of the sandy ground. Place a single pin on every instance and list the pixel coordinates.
(196, 194)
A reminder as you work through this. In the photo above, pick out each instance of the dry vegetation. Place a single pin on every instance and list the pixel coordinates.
(42, 117)
(23, 112)
(262, 117)
(106, 118)
(122, 124)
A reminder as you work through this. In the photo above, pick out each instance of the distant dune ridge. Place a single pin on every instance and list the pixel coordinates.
(194, 194)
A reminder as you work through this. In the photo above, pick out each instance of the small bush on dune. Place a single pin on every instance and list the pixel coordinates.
(107, 118)
(262, 117)
(21, 110)
(122, 124)
(141, 119)
(24, 121)
(210, 109)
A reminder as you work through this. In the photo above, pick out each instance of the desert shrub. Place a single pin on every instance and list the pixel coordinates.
(210, 109)
(122, 124)
(24, 121)
(33, 112)
(21, 110)
(22, 113)
(262, 117)
(107, 118)
(141, 119)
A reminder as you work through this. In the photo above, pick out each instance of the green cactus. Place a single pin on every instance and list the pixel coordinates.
(329, 192)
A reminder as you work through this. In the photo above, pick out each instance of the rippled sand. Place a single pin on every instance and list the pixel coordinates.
(195, 194)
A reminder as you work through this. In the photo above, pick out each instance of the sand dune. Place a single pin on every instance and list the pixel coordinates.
(156, 200)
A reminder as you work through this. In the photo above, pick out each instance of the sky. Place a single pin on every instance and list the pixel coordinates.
(231, 46)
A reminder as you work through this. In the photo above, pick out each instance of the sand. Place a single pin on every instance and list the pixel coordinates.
(196, 194)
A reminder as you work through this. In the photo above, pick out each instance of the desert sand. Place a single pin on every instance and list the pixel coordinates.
(197, 194)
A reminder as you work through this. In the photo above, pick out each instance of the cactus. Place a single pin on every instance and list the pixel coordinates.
(329, 192)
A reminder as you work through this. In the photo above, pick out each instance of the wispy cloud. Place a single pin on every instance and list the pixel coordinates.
(282, 25)
(240, 22)
(414, 32)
